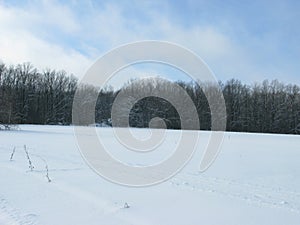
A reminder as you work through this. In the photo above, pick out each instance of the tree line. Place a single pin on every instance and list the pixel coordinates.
(28, 96)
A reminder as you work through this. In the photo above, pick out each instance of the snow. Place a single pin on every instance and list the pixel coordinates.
(255, 180)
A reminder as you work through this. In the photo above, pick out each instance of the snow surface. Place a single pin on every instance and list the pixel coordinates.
(255, 180)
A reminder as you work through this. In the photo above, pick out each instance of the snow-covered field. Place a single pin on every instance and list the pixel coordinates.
(255, 180)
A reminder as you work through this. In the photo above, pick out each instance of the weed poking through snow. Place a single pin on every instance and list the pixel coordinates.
(30, 164)
(12, 154)
(47, 174)
(46, 166)
(29, 160)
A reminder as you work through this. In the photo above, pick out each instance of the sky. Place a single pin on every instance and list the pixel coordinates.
(247, 40)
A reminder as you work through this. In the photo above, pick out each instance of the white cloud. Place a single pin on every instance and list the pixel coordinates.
(43, 33)
(19, 41)
(23, 35)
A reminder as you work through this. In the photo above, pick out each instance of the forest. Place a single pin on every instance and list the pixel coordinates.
(28, 96)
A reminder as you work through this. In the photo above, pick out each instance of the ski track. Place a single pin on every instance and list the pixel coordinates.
(12, 216)
(253, 194)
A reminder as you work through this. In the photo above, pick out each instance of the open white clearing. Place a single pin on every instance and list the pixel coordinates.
(255, 180)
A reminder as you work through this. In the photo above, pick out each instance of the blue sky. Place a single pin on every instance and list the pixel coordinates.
(247, 40)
